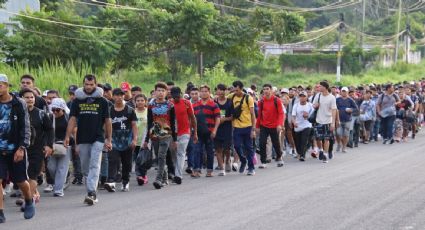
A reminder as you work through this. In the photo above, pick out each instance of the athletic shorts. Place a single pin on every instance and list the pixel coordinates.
(344, 129)
(35, 165)
(17, 171)
(323, 132)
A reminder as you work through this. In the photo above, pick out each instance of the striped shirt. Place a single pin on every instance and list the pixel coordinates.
(210, 111)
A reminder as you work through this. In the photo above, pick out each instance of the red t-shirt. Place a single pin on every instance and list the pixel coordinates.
(184, 111)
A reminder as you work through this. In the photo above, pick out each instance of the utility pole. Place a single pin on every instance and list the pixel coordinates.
(407, 38)
(363, 23)
(339, 54)
(398, 31)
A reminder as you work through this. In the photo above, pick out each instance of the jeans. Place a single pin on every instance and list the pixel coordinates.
(301, 141)
(182, 142)
(58, 168)
(104, 166)
(76, 164)
(274, 136)
(387, 125)
(190, 151)
(243, 145)
(376, 129)
(206, 143)
(91, 157)
(161, 147)
(116, 157)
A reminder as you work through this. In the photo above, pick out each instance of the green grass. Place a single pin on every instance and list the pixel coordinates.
(57, 76)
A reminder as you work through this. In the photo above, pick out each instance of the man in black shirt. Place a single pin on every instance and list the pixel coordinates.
(90, 114)
(41, 137)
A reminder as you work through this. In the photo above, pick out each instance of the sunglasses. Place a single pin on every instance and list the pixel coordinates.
(56, 110)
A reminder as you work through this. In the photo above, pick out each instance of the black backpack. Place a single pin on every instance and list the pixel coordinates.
(237, 111)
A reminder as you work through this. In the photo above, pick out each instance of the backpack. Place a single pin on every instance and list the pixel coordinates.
(237, 111)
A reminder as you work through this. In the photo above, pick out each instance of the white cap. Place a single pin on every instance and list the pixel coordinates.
(344, 89)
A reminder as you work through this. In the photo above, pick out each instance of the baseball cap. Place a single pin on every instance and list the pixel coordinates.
(45, 92)
(344, 89)
(72, 88)
(284, 90)
(303, 93)
(118, 91)
(4, 79)
(125, 86)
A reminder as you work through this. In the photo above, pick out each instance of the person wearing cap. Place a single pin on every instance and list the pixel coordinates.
(186, 121)
(302, 126)
(325, 104)
(107, 92)
(90, 111)
(59, 156)
(346, 107)
(126, 88)
(42, 134)
(269, 123)
(15, 136)
(76, 163)
(28, 81)
(124, 141)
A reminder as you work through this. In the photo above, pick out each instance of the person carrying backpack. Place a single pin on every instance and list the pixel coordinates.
(269, 123)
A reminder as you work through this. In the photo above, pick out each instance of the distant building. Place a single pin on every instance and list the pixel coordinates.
(16, 6)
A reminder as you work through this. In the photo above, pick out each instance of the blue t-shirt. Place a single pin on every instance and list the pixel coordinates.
(343, 104)
(224, 131)
(5, 127)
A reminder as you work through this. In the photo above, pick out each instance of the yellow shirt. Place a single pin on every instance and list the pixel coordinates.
(245, 118)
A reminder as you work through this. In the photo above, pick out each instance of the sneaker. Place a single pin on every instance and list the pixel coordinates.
(325, 158)
(29, 210)
(189, 170)
(280, 163)
(40, 180)
(49, 188)
(2, 218)
(75, 180)
(235, 167)
(110, 187)
(165, 183)
(314, 154)
(140, 180)
(338, 148)
(125, 187)
(222, 173)
(251, 172)
(344, 150)
(157, 184)
(80, 181)
(17, 193)
(228, 167)
(217, 168)
(321, 155)
(178, 180)
(262, 166)
(8, 188)
(58, 194)
(385, 142)
(242, 168)
(392, 141)
(331, 155)
(302, 159)
(91, 199)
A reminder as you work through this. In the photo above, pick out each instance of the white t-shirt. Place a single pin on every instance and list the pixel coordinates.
(298, 111)
(326, 105)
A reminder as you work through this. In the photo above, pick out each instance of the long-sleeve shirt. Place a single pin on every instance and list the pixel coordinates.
(163, 117)
(270, 113)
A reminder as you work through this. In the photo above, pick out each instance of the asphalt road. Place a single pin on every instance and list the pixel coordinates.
(370, 187)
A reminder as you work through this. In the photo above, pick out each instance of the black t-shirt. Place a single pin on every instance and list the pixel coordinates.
(91, 114)
(40, 103)
(224, 131)
(122, 132)
(60, 128)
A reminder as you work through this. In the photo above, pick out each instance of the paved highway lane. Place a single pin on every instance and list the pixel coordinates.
(372, 187)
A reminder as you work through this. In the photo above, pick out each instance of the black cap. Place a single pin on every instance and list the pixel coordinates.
(117, 91)
(72, 88)
(175, 92)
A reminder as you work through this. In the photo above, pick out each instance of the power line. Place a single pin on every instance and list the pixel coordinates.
(332, 6)
(66, 37)
(59, 22)
(103, 4)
